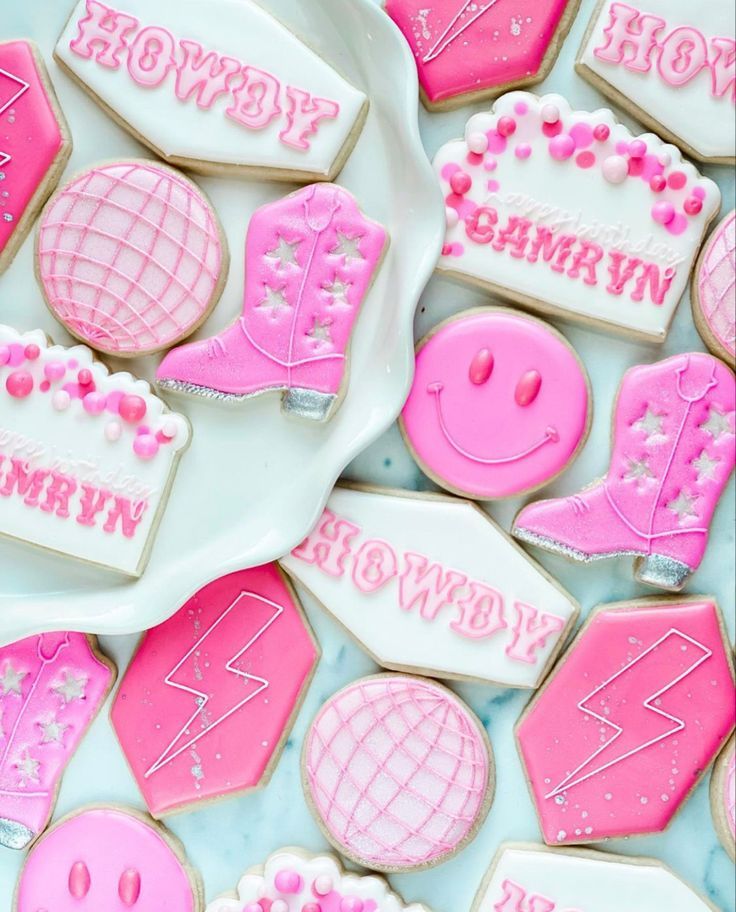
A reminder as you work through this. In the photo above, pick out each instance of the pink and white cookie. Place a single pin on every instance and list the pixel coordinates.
(672, 455)
(398, 772)
(209, 698)
(221, 88)
(713, 290)
(294, 881)
(35, 143)
(108, 858)
(569, 213)
(310, 261)
(633, 715)
(130, 257)
(500, 404)
(723, 797)
(467, 50)
(87, 458)
(51, 688)
(670, 64)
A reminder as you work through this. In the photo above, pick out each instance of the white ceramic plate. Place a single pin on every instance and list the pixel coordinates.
(252, 483)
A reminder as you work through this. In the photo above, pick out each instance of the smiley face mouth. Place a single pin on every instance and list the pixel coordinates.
(551, 435)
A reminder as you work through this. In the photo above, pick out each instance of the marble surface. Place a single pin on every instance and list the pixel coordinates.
(224, 839)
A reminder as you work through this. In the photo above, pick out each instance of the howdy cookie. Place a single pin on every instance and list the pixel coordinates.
(713, 290)
(310, 261)
(109, 858)
(531, 877)
(500, 404)
(35, 143)
(670, 64)
(210, 696)
(568, 213)
(723, 797)
(672, 455)
(374, 801)
(635, 712)
(294, 881)
(87, 457)
(429, 584)
(51, 688)
(219, 88)
(130, 257)
(467, 50)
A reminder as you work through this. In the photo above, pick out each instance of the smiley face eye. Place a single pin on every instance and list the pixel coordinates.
(527, 389)
(481, 367)
(79, 880)
(129, 887)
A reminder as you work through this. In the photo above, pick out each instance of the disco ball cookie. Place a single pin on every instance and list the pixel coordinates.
(130, 257)
(108, 858)
(500, 404)
(723, 797)
(294, 881)
(398, 773)
(713, 290)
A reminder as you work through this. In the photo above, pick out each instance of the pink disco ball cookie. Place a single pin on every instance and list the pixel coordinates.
(399, 773)
(131, 258)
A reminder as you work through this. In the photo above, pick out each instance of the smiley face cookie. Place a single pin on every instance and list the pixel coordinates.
(500, 404)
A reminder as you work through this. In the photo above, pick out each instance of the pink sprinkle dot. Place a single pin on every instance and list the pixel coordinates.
(460, 183)
(94, 403)
(54, 370)
(451, 217)
(253, 907)
(61, 400)
(601, 132)
(478, 143)
(615, 169)
(663, 213)
(288, 882)
(84, 377)
(506, 126)
(552, 129)
(132, 409)
(562, 147)
(677, 180)
(113, 431)
(521, 107)
(351, 904)
(658, 183)
(585, 160)
(323, 885)
(312, 907)
(693, 206)
(474, 159)
(523, 150)
(550, 113)
(491, 164)
(19, 384)
(32, 352)
(638, 149)
(4, 354)
(44, 386)
(146, 446)
(699, 193)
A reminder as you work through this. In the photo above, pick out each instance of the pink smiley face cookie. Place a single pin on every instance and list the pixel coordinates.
(500, 404)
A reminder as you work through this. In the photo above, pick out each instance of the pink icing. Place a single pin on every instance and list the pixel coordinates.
(104, 858)
(398, 772)
(51, 688)
(716, 284)
(30, 138)
(467, 46)
(130, 256)
(209, 696)
(515, 431)
(636, 710)
(729, 793)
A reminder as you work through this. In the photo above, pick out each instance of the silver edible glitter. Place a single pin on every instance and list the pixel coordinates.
(14, 835)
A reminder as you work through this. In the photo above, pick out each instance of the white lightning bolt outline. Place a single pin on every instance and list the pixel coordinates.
(448, 36)
(24, 86)
(5, 158)
(202, 698)
(619, 730)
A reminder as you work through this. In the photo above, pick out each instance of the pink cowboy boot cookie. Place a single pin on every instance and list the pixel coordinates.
(310, 260)
(673, 452)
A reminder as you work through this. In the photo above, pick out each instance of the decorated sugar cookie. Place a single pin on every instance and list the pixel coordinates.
(634, 713)
(294, 881)
(35, 143)
(375, 801)
(723, 797)
(130, 257)
(51, 688)
(310, 260)
(713, 290)
(569, 213)
(108, 858)
(222, 88)
(672, 65)
(210, 696)
(467, 50)
(87, 457)
(500, 404)
(429, 584)
(534, 878)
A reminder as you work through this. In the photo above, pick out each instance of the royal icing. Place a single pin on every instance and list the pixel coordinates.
(398, 772)
(430, 584)
(714, 289)
(310, 259)
(527, 878)
(105, 858)
(86, 456)
(729, 793)
(51, 688)
(225, 86)
(473, 47)
(130, 257)
(723, 797)
(500, 404)
(675, 63)
(210, 695)
(34, 142)
(672, 455)
(634, 713)
(293, 881)
(568, 211)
